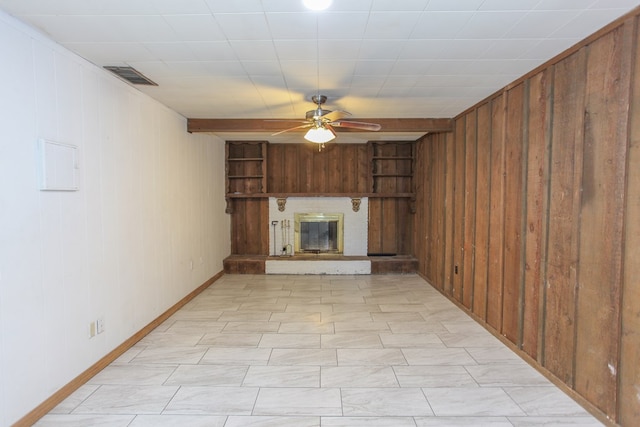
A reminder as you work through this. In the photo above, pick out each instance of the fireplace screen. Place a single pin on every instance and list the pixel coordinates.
(318, 233)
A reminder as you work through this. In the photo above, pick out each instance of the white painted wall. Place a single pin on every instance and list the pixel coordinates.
(151, 203)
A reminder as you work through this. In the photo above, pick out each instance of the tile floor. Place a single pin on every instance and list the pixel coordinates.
(307, 351)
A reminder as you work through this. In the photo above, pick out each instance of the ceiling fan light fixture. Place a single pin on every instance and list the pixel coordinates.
(317, 4)
(319, 135)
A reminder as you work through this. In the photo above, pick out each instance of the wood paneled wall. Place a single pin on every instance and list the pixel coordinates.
(301, 168)
(529, 216)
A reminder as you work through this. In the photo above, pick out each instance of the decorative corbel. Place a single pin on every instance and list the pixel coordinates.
(281, 204)
(229, 208)
(355, 204)
(412, 205)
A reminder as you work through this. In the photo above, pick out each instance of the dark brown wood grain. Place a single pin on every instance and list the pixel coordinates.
(538, 142)
(469, 208)
(513, 214)
(496, 215)
(458, 208)
(564, 208)
(482, 190)
(450, 224)
(629, 371)
(602, 220)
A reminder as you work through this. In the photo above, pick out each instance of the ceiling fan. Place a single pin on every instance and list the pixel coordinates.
(321, 123)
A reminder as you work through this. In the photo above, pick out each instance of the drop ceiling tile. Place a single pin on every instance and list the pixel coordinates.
(339, 49)
(508, 4)
(422, 49)
(224, 68)
(539, 24)
(583, 24)
(338, 70)
(267, 68)
(411, 67)
(395, 5)
(296, 50)
(195, 27)
(146, 28)
(624, 5)
(396, 91)
(368, 81)
(401, 80)
(257, 50)
(212, 51)
(106, 53)
(509, 48)
(548, 48)
(246, 6)
(489, 25)
(463, 80)
(342, 25)
(469, 5)
(296, 26)
(350, 6)
(68, 29)
(274, 82)
(243, 26)
(375, 68)
(295, 67)
(379, 49)
(440, 25)
(563, 4)
(390, 25)
(175, 51)
(464, 49)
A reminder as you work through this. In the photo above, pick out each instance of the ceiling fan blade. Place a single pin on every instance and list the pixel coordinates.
(308, 125)
(357, 125)
(335, 115)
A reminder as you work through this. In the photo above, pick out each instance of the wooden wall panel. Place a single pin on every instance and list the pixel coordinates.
(469, 208)
(250, 227)
(421, 249)
(556, 217)
(438, 209)
(482, 192)
(629, 371)
(538, 144)
(564, 205)
(601, 213)
(449, 259)
(496, 214)
(458, 209)
(514, 149)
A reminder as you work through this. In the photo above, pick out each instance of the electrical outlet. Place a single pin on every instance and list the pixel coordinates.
(92, 329)
(100, 326)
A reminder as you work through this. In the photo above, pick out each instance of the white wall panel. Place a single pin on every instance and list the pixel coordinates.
(146, 227)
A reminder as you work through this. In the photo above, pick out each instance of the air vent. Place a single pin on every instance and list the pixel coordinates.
(131, 75)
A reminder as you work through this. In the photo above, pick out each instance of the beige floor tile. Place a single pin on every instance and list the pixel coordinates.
(311, 351)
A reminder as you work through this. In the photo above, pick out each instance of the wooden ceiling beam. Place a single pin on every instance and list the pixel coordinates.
(268, 125)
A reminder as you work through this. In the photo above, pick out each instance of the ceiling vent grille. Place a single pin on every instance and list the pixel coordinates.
(131, 75)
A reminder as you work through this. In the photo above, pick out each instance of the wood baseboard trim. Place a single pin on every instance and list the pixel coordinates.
(41, 410)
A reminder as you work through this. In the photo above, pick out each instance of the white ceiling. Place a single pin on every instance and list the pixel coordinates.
(373, 58)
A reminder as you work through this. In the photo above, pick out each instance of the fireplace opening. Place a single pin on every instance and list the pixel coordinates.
(318, 233)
